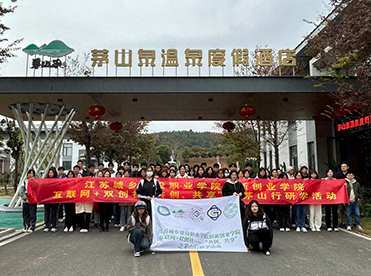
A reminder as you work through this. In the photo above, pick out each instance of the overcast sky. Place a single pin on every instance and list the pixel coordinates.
(161, 24)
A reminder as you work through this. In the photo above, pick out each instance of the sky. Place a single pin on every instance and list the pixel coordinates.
(161, 24)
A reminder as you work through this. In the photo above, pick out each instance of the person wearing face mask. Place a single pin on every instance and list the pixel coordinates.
(148, 188)
(226, 173)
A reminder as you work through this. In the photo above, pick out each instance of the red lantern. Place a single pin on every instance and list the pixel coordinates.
(247, 111)
(96, 111)
(229, 126)
(116, 126)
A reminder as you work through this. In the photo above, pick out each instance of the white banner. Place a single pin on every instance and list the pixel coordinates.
(212, 224)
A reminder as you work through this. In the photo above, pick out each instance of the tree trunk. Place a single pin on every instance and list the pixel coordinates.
(88, 154)
(276, 146)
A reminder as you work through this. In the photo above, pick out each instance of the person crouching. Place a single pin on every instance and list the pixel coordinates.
(140, 228)
(257, 228)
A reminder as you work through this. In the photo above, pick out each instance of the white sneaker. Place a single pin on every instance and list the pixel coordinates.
(282, 229)
(359, 227)
(287, 229)
(29, 230)
(46, 230)
(330, 229)
(60, 220)
(25, 230)
(71, 229)
(303, 229)
(82, 231)
(297, 229)
(318, 229)
(115, 226)
(54, 230)
(85, 230)
(136, 254)
(349, 228)
(267, 253)
(313, 229)
(65, 229)
(336, 229)
(122, 228)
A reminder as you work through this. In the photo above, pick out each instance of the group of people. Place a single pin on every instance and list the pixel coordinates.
(256, 219)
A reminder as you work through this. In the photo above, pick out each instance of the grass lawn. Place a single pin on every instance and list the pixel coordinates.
(366, 225)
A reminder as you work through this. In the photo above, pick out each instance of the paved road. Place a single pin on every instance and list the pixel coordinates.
(96, 253)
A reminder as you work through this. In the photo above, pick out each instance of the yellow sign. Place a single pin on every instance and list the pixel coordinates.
(193, 57)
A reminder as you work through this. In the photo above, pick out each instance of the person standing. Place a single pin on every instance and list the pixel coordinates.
(233, 187)
(148, 188)
(51, 209)
(283, 211)
(331, 207)
(342, 175)
(105, 211)
(300, 211)
(315, 210)
(70, 219)
(354, 192)
(28, 210)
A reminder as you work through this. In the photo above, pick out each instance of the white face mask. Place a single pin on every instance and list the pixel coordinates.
(149, 174)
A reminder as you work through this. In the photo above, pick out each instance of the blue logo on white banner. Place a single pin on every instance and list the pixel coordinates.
(182, 225)
(214, 212)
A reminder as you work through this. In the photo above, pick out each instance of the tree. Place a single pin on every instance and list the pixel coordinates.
(343, 48)
(13, 146)
(240, 143)
(7, 51)
(275, 132)
(164, 152)
(185, 154)
(76, 68)
(132, 142)
(91, 135)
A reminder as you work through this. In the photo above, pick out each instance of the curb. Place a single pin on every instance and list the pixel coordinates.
(6, 232)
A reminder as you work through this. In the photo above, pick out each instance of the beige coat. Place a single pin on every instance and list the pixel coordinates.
(82, 207)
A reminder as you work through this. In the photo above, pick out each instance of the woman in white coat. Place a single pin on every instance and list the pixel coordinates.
(83, 212)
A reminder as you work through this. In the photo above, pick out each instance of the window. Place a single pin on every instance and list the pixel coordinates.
(67, 149)
(294, 156)
(67, 165)
(311, 157)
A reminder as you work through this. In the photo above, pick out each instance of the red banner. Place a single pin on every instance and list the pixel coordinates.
(123, 189)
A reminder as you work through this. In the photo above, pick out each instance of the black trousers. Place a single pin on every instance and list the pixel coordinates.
(70, 219)
(259, 236)
(84, 220)
(60, 210)
(149, 206)
(50, 215)
(105, 210)
(283, 216)
(334, 209)
(270, 210)
(29, 215)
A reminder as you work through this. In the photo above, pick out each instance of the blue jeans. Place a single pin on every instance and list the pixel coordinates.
(125, 213)
(300, 215)
(352, 208)
(140, 243)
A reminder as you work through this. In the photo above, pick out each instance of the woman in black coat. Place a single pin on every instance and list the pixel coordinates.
(233, 187)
